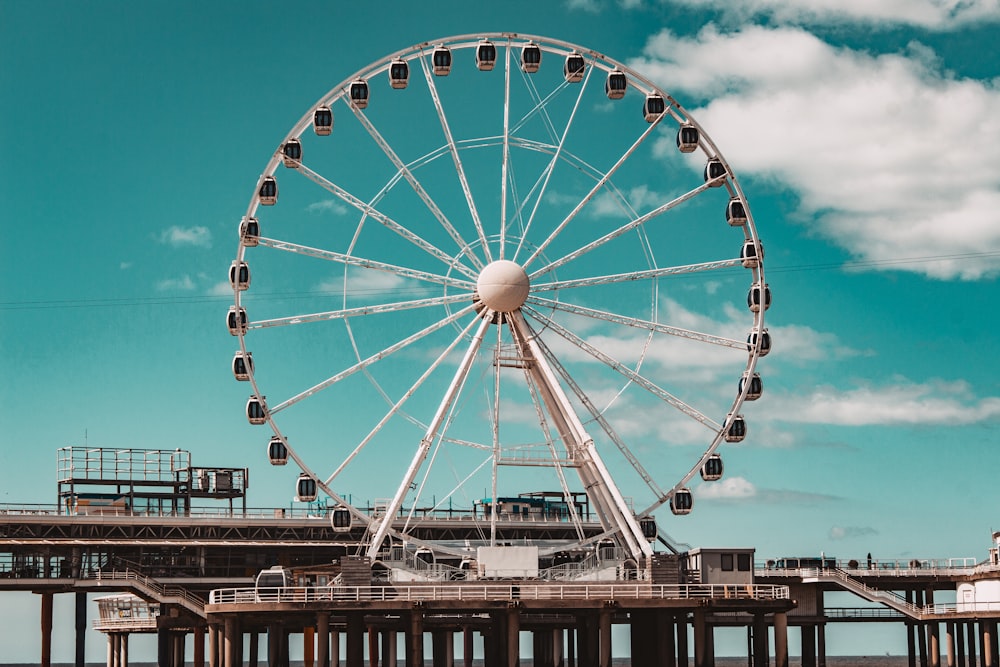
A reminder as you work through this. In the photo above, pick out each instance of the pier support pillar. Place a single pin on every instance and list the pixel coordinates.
(334, 648)
(570, 647)
(443, 648)
(701, 653)
(809, 645)
(355, 639)
(934, 644)
(373, 647)
(761, 654)
(665, 634)
(415, 639)
(643, 639)
(46, 619)
(232, 641)
(682, 641)
(991, 634)
(558, 648)
(960, 644)
(468, 646)
(389, 647)
(970, 628)
(198, 659)
(587, 640)
(81, 629)
(542, 643)
(821, 645)
(323, 639)
(513, 636)
(949, 643)
(604, 626)
(309, 646)
(780, 639)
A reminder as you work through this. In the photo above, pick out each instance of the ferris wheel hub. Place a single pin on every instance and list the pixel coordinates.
(503, 286)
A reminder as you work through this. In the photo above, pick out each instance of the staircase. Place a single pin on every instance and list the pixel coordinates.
(150, 589)
(859, 588)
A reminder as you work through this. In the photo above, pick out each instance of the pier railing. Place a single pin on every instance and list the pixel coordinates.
(498, 592)
(152, 588)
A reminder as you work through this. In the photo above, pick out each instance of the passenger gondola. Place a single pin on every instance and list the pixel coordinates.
(759, 298)
(574, 67)
(531, 58)
(755, 389)
(268, 191)
(687, 138)
(749, 254)
(616, 84)
(737, 430)
(711, 470)
(715, 172)
(358, 92)
(647, 525)
(305, 489)
(736, 213)
(242, 365)
(236, 320)
(249, 231)
(239, 275)
(291, 153)
(323, 121)
(765, 342)
(340, 519)
(486, 55)
(441, 60)
(277, 451)
(681, 502)
(256, 410)
(653, 107)
(399, 73)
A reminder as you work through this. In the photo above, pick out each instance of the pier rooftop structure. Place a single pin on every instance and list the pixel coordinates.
(140, 523)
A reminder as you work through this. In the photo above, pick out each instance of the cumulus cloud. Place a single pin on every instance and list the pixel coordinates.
(849, 532)
(222, 288)
(929, 14)
(890, 157)
(903, 403)
(740, 489)
(197, 236)
(334, 206)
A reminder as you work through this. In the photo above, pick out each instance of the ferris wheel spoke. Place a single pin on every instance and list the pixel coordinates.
(386, 221)
(599, 418)
(397, 406)
(407, 174)
(433, 429)
(627, 227)
(456, 158)
(590, 195)
(625, 371)
(637, 323)
(360, 311)
(550, 167)
(378, 356)
(647, 274)
(365, 263)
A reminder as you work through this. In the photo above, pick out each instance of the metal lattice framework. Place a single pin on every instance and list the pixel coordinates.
(494, 274)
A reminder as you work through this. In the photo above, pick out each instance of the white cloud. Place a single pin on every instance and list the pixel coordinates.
(904, 403)
(125, 266)
(728, 488)
(222, 288)
(184, 283)
(930, 14)
(891, 158)
(591, 6)
(848, 532)
(334, 206)
(187, 236)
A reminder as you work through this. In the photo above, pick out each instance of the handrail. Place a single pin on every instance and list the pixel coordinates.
(497, 592)
(154, 588)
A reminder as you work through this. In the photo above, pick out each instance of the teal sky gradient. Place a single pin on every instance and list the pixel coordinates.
(868, 147)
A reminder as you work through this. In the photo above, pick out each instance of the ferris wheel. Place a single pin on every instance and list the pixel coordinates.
(504, 273)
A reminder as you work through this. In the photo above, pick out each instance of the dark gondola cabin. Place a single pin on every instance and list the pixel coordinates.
(759, 298)
(340, 519)
(737, 430)
(715, 172)
(711, 470)
(647, 525)
(681, 502)
(291, 153)
(358, 92)
(236, 320)
(239, 275)
(574, 68)
(486, 55)
(305, 489)
(749, 255)
(242, 366)
(256, 410)
(249, 231)
(268, 191)
(441, 60)
(765, 342)
(736, 213)
(616, 84)
(687, 138)
(277, 452)
(323, 121)
(653, 107)
(399, 74)
(531, 58)
(756, 386)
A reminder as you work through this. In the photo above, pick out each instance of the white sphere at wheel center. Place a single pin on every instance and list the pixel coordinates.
(503, 286)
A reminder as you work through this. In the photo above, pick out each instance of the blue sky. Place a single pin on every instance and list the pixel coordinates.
(864, 135)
